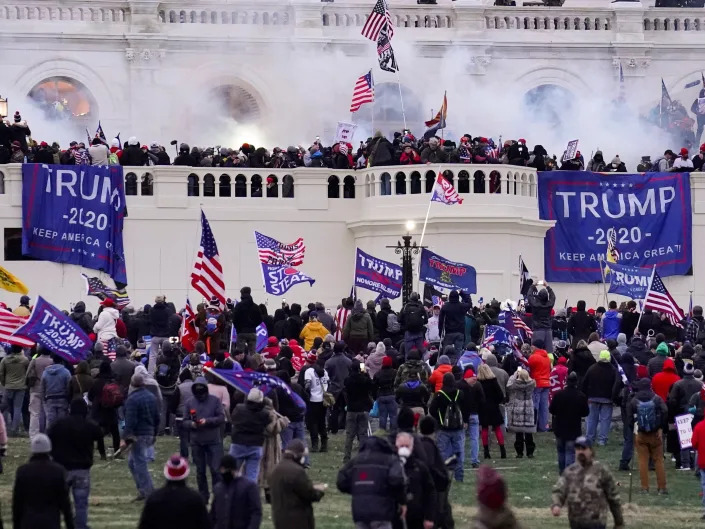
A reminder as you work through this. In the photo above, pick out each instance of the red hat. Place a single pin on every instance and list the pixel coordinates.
(491, 488)
(591, 311)
(176, 468)
(107, 302)
(469, 373)
(684, 151)
(270, 179)
(311, 358)
(209, 364)
(522, 140)
(562, 360)
(44, 144)
(144, 148)
(293, 342)
(387, 361)
(272, 340)
(702, 147)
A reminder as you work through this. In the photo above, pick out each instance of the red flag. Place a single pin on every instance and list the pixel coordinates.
(189, 333)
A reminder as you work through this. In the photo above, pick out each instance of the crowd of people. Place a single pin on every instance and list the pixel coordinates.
(410, 390)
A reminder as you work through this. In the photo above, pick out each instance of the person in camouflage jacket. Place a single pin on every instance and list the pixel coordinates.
(588, 489)
(413, 364)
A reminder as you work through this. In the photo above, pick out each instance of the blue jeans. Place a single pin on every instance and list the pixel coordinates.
(386, 182)
(13, 402)
(249, 456)
(388, 409)
(474, 437)
(295, 430)
(599, 413)
(79, 481)
(456, 339)
(450, 443)
(628, 446)
(541, 406)
(411, 340)
(55, 409)
(137, 463)
(566, 453)
(207, 455)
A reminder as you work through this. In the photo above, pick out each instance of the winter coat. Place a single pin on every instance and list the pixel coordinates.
(40, 495)
(381, 152)
(159, 320)
(358, 327)
(491, 413)
(469, 359)
(141, 414)
(311, 331)
(272, 447)
(596, 348)
(698, 441)
(452, 317)
(73, 440)
(599, 381)
(580, 325)
(374, 362)
(13, 371)
(473, 396)
(413, 366)
(501, 374)
(35, 371)
(610, 325)
(502, 518)
(645, 396)
(681, 392)
(662, 382)
(174, 506)
(520, 409)
(628, 325)
(559, 374)
(436, 378)
(292, 495)
(568, 407)
(81, 318)
(105, 328)
(247, 316)
(132, 155)
(656, 364)
(123, 369)
(637, 348)
(236, 505)
(421, 492)
(541, 308)
(437, 155)
(540, 368)
(249, 420)
(55, 382)
(413, 394)
(338, 369)
(210, 410)
(384, 381)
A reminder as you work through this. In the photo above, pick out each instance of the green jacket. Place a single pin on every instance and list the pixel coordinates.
(13, 370)
(358, 326)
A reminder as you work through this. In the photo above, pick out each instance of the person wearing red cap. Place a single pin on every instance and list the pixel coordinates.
(492, 509)
(43, 155)
(175, 504)
(106, 326)
(683, 161)
(272, 349)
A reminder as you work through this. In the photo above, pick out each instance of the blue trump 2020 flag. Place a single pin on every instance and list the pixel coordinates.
(280, 278)
(649, 214)
(261, 333)
(630, 281)
(377, 275)
(74, 214)
(244, 381)
(443, 273)
(48, 326)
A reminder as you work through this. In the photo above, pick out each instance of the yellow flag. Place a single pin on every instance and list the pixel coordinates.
(11, 283)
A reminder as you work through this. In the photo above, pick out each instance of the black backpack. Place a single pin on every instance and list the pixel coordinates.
(453, 419)
(163, 375)
(700, 336)
(414, 319)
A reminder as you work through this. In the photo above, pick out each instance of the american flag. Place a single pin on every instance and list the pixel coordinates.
(519, 325)
(378, 19)
(207, 275)
(244, 381)
(95, 287)
(443, 191)
(272, 252)
(496, 334)
(659, 299)
(437, 300)
(9, 323)
(189, 333)
(364, 92)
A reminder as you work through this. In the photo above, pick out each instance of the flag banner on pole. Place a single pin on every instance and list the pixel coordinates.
(273, 252)
(9, 323)
(444, 192)
(511, 321)
(525, 280)
(630, 281)
(189, 333)
(494, 334)
(612, 255)
(11, 282)
(207, 274)
(244, 381)
(659, 299)
(443, 273)
(363, 93)
(377, 275)
(95, 287)
(49, 326)
(262, 335)
(441, 115)
(385, 53)
(278, 279)
(75, 215)
(379, 19)
(665, 97)
(649, 213)
(99, 132)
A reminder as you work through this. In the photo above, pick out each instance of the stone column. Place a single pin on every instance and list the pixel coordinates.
(629, 21)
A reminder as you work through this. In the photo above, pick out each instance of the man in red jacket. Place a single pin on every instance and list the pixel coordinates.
(540, 368)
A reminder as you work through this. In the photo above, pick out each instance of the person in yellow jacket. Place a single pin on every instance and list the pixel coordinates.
(312, 329)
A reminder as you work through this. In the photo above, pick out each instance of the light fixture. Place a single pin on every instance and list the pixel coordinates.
(3, 107)
(410, 225)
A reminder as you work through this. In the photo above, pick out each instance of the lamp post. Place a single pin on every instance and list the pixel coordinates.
(3, 107)
(406, 250)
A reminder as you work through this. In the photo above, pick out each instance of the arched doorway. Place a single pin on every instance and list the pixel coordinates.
(238, 103)
(550, 104)
(387, 107)
(63, 98)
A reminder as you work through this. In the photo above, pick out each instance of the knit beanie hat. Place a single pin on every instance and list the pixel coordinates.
(176, 468)
(491, 488)
(40, 444)
(443, 360)
(255, 395)
(605, 356)
(688, 368)
(662, 349)
(387, 361)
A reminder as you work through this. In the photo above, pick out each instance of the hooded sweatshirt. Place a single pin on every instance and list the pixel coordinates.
(610, 325)
(55, 382)
(310, 331)
(207, 407)
(540, 368)
(656, 364)
(374, 361)
(663, 381)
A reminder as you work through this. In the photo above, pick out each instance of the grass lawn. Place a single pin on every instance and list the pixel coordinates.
(530, 483)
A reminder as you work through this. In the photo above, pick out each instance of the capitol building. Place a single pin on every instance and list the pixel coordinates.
(281, 72)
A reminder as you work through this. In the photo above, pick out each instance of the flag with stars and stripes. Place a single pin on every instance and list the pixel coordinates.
(207, 274)
(659, 299)
(9, 324)
(363, 93)
(379, 19)
(95, 287)
(273, 252)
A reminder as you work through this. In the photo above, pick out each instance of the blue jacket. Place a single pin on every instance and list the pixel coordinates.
(55, 382)
(141, 414)
(470, 358)
(610, 324)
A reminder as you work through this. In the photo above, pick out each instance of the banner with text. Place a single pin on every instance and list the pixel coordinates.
(74, 214)
(630, 281)
(442, 273)
(649, 213)
(377, 275)
(278, 279)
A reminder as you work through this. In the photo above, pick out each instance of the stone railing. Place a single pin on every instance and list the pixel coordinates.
(675, 20)
(554, 19)
(72, 11)
(259, 15)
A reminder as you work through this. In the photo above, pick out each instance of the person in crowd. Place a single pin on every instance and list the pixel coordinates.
(55, 390)
(296, 428)
(105, 327)
(316, 383)
(433, 332)
(595, 345)
(409, 155)
(451, 322)
(236, 500)
(413, 320)
(413, 394)
(40, 494)
(175, 505)
(470, 358)
(679, 401)
(386, 400)
(490, 359)
(662, 383)
(159, 326)
(421, 495)
(292, 491)
(698, 444)
(141, 428)
(337, 369)
(204, 416)
(434, 152)
(343, 313)
(35, 370)
(491, 414)
(540, 367)
(415, 366)
(568, 407)
(376, 481)
(581, 324)
(447, 408)
(630, 319)
(474, 398)
(493, 512)
(312, 330)
(436, 465)
(13, 378)
(610, 324)
(541, 303)
(683, 162)
(520, 412)
(373, 362)
(559, 373)
(82, 318)
(648, 411)
(249, 421)
(358, 330)
(246, 317)
(588, 489)
(73, 441)
(24, 309)
(695, 330)
(597, 385)
(442, 368)
(106, 396)
(622, 393)
(657, 363)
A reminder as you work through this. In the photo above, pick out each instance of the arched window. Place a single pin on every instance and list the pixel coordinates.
(349, 187)
(147, 187)
(272, 186)
(131, 184)
(256, 186)
(238, 103)
(333, 187)
(193, 185)
(209, 185)
(240, 186)
(224, 186)
(63, 98)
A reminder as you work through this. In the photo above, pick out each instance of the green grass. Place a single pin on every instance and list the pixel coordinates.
(530, 483)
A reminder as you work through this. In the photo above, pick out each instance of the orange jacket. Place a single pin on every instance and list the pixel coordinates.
(436, 377)
(540, 366)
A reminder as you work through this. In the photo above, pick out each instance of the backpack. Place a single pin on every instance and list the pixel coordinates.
(647, 416)
(111, 396)
(113, 159)
(414, 320)
(453, 419)
(393, 326)
(700, 336)
(162, 376)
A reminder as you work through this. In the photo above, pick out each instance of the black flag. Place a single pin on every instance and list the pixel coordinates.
(525, 280)
(385, 53)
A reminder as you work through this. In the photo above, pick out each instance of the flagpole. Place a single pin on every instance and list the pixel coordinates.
(604, 284)
(651, 280)
(403, 113)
